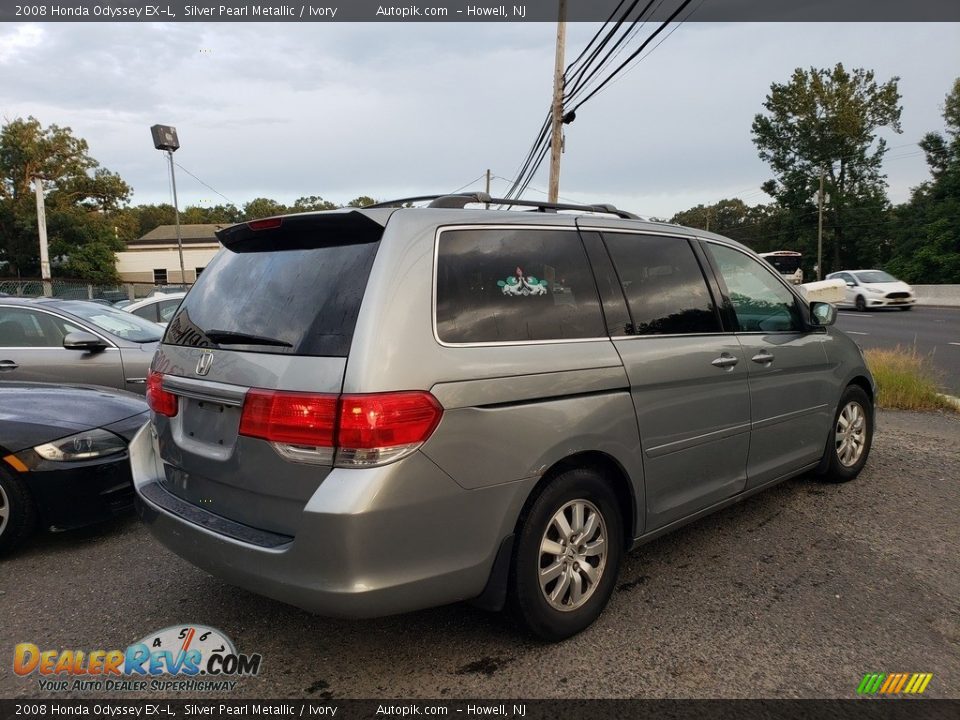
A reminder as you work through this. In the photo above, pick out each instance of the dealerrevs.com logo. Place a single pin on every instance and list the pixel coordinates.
(181, 658)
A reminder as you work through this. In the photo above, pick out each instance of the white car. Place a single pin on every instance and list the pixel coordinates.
(158, 308)
(873, 289)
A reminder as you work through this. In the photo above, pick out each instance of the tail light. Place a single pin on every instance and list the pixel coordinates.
(352, 430)
(159, 400)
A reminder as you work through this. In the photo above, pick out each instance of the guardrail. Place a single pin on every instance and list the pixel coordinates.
(946, 295)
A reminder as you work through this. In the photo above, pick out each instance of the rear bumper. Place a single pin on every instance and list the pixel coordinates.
(370, 542)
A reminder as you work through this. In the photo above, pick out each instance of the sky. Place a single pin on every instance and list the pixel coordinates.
(397, 109)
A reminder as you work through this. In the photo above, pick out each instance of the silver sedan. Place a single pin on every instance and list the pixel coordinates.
(75, 341)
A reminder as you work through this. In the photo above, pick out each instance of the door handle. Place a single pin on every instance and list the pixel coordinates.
(763, 357)
(8, 365)
(726, 360)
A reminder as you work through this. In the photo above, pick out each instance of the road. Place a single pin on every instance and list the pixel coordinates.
(796, 592)
(934, 331)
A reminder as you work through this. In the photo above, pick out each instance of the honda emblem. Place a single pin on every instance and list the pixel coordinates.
(204, 362)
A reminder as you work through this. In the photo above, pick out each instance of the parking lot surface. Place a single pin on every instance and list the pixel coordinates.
(796, 592)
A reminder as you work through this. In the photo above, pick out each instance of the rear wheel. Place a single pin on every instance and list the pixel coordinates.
(568, 555)
(17, 514)
(851, 437)
(861, 303)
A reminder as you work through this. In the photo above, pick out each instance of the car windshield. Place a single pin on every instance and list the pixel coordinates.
(875, 276)
(116, 322)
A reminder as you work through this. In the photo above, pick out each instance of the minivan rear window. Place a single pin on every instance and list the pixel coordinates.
(301, 301)
(515, 285)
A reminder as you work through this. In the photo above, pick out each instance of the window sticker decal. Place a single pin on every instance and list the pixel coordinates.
(520, 284)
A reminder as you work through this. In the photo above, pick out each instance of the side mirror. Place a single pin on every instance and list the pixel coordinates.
(850, 283)
(823, 313)
(83, 341)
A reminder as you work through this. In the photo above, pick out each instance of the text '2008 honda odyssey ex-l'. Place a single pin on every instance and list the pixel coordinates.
(371, 411)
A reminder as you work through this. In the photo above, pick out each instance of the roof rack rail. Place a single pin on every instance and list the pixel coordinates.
(461, 200)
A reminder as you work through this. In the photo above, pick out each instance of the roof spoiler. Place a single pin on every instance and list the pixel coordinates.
(302, 232)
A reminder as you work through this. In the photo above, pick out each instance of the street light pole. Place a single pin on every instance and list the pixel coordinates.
(176, 214)
(165, 138)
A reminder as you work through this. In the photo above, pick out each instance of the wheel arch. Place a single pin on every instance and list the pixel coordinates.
(606, 465)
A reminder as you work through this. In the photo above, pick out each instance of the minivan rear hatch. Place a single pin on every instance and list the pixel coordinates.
(275, 310)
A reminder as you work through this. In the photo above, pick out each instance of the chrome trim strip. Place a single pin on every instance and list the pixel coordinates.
(232, 395)
(686, 443)
(777, 419)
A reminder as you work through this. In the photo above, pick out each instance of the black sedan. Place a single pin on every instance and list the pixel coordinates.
(63, 456)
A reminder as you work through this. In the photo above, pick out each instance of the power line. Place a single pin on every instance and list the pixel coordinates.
(462, 187)
(633, 55)
(205, 184)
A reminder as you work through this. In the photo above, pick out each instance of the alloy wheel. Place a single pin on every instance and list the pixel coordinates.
(851, 434)
(573, 555)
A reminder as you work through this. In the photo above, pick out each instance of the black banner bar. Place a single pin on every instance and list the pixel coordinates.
(860, 709)
(473, 11)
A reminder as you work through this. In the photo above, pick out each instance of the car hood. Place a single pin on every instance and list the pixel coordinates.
(35, 413)
(897, 286)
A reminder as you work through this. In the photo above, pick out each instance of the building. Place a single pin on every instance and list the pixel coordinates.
(153, 258)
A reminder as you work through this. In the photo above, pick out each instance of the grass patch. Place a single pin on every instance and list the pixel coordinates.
(905, 380)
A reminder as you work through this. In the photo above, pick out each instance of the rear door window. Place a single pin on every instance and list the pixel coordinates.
(665, 287)
(299, 301)
(515, 285)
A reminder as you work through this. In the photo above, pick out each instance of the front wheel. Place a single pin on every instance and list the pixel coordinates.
(851, 437)
(861, 303)
(568, 555)
(17, 514)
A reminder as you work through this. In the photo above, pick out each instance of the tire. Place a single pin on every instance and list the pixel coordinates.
(17, 513)
(844, 456)
(861, 303)
(550, 609)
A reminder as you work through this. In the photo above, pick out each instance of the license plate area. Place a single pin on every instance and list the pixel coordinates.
(209, 423)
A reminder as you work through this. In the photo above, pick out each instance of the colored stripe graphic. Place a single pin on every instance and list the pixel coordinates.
(894, 683)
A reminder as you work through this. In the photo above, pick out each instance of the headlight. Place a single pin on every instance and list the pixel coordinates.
(873, 290)
(82, 446)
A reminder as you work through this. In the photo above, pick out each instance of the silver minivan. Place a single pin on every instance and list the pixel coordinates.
(371, 411)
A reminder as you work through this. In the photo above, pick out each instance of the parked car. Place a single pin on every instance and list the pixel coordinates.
(874, 289)
(158, 308)
(371, 411)
(75, 341)
(63, 456)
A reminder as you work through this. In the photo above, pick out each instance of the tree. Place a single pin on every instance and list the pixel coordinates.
(261, 208)
(312, 203)
(926, 243)
(361, 201)
(82, 199)
(827, 121)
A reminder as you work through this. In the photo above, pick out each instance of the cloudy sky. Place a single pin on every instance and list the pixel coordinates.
(394, 109)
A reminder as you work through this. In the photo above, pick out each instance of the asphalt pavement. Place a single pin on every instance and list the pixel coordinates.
(796, 592)
(933, 331)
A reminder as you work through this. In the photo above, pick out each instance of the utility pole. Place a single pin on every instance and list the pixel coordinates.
(820, 228)
(488, 181)
(556, 137)
(707, 228)
(42, 231)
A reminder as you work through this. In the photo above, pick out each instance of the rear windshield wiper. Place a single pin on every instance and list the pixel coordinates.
(225, 337)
